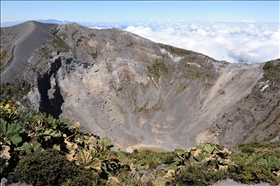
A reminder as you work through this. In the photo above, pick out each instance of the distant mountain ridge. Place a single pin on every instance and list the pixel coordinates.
(51, 21)
(138, 92)
(99, 24)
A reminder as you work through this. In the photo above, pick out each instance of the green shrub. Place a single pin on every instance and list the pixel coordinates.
(49, 167)
(198, 175)
(168, 158)
(252, 173)
(85, 178)
(12, 92)
(248, 150)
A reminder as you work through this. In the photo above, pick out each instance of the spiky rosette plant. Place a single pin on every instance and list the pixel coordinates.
(209, 153)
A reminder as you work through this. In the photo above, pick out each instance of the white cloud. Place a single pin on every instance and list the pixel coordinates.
(96, 27)
(248, 21)
(244, 41)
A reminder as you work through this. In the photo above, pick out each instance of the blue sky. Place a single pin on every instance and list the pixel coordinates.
(233, 31)
(141, 11)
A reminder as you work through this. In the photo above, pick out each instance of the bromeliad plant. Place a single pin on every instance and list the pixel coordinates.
(210, 153)
(24, 133)
(9, 129)
(24, 136)
(91, 152)
(10, 132)
(8, 113)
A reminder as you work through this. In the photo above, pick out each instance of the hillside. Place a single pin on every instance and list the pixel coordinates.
(141, 93)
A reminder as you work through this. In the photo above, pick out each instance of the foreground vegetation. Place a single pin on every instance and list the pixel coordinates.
(40, 150)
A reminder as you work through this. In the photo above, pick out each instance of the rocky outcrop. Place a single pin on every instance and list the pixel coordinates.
(51, 99)
(138, 92)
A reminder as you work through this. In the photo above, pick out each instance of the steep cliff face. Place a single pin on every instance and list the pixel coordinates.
(135, 91)
(255, 117)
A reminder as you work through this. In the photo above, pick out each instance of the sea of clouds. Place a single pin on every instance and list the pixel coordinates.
(245, 42)
(241, 42)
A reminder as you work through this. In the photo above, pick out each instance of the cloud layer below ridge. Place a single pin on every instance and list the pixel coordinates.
(244, 42)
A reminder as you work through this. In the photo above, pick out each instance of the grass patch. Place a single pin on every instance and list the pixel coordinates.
(12, 92)
(270, 112)
(221, 92)
(207, 85)
(60, 44)
(3, 55)
(264, 146)
(271, 72)
(46, 52)
(181, 88)
(175, 50)
(158, 69)
(142, 109)
(94, 55)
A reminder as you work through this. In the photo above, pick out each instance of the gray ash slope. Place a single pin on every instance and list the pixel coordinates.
(21, 40)
(138, 92)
